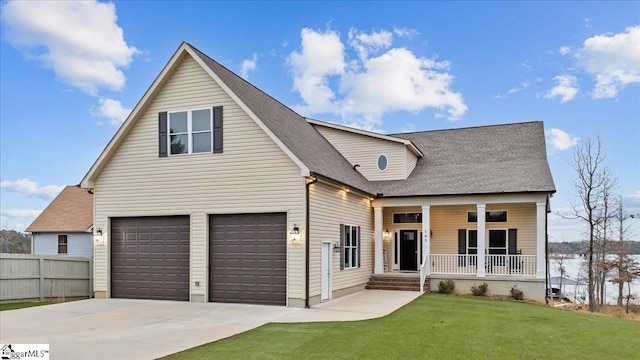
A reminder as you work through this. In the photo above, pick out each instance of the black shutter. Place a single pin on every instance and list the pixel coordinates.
(513, 241)
(359, 246)
(162, 134)
(462, 247)
(341, 246)
(217, 129)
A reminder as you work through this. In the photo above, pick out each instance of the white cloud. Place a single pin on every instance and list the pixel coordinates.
(369, 43)
(112, 110)
(79, 40)
(248, 65)
(380, 80)
(24, 214)
(405, 31)
(564, 50)
(30, 188)
(560, 140)
(567, 88)
(516, 89)
(322, 56)
(613, 59)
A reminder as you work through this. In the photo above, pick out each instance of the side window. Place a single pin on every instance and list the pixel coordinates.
(62, 244)
(350, 246)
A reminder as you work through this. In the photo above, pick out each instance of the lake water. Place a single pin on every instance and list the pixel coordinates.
(576, 269)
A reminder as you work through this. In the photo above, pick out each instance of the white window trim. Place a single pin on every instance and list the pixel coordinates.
(345, 248)
(378, 162)
(190, 131)
(66, 244)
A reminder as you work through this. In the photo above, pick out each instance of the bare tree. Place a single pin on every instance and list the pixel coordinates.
(588, 163)
(620, 250)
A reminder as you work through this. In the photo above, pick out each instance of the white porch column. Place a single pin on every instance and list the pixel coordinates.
(377, 226)
(541, 209)
(426, 238)
(481, 209)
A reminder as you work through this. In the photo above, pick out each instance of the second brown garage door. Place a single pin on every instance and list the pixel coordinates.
(248, 258)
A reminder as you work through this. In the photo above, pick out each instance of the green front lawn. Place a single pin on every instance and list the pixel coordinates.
(20, 305)
(440, 327)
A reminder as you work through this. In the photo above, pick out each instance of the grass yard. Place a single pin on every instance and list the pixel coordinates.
(440, 327)
(20, 305)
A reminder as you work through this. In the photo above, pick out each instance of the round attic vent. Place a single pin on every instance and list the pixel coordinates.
(382, 162)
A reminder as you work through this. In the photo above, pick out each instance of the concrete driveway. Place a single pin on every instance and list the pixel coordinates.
(147, 329)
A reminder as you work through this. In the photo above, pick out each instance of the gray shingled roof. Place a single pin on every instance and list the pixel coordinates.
(292, 129)
(489, 159)
(509, 158)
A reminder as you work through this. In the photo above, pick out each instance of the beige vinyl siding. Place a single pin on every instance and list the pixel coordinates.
(446, 220)
(365, 150)
(412, 159)
(329, 207)
(252, 175)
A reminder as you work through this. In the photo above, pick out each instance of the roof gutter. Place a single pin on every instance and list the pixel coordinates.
(306, 241)
(341, 184)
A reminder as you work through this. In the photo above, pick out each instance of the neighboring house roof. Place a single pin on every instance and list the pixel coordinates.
(70, 211)
(509, 158)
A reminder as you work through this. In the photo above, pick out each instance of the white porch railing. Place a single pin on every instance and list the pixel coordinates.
(519, 265)
(453, 264)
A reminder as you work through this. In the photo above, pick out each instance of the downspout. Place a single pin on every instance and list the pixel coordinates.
(306, 241)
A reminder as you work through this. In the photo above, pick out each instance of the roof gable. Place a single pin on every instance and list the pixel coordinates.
(298, 139)
(70, 211)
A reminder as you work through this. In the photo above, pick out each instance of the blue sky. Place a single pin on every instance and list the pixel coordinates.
(70, 72)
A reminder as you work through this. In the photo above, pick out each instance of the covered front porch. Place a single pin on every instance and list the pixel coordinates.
(445, 237)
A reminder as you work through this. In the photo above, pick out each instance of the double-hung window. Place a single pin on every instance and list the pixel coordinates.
(350, 246)
(190, 132)
(62, 244)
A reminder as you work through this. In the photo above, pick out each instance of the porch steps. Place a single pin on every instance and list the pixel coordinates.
(389, 282)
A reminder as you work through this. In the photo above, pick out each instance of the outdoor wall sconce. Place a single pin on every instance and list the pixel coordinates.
(387, 235)
(336, 247)
(295, 234)
(98, 237)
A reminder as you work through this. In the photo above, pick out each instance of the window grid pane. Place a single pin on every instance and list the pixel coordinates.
(202, 142)
(201, 120)
(178, 122)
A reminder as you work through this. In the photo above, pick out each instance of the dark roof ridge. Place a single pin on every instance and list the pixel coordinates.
(466, 127)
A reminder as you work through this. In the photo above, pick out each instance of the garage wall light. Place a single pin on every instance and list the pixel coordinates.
(295, 234)
(98, 237)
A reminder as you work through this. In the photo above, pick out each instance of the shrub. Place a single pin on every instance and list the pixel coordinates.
(446, 287)
(480, 290)
(517, 293)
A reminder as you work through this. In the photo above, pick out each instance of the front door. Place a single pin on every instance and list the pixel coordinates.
(409, 250)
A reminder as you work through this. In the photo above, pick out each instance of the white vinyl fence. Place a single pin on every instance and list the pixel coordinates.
(28, 277)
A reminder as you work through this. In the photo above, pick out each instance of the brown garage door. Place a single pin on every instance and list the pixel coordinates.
(150, 258)
(248, 258)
